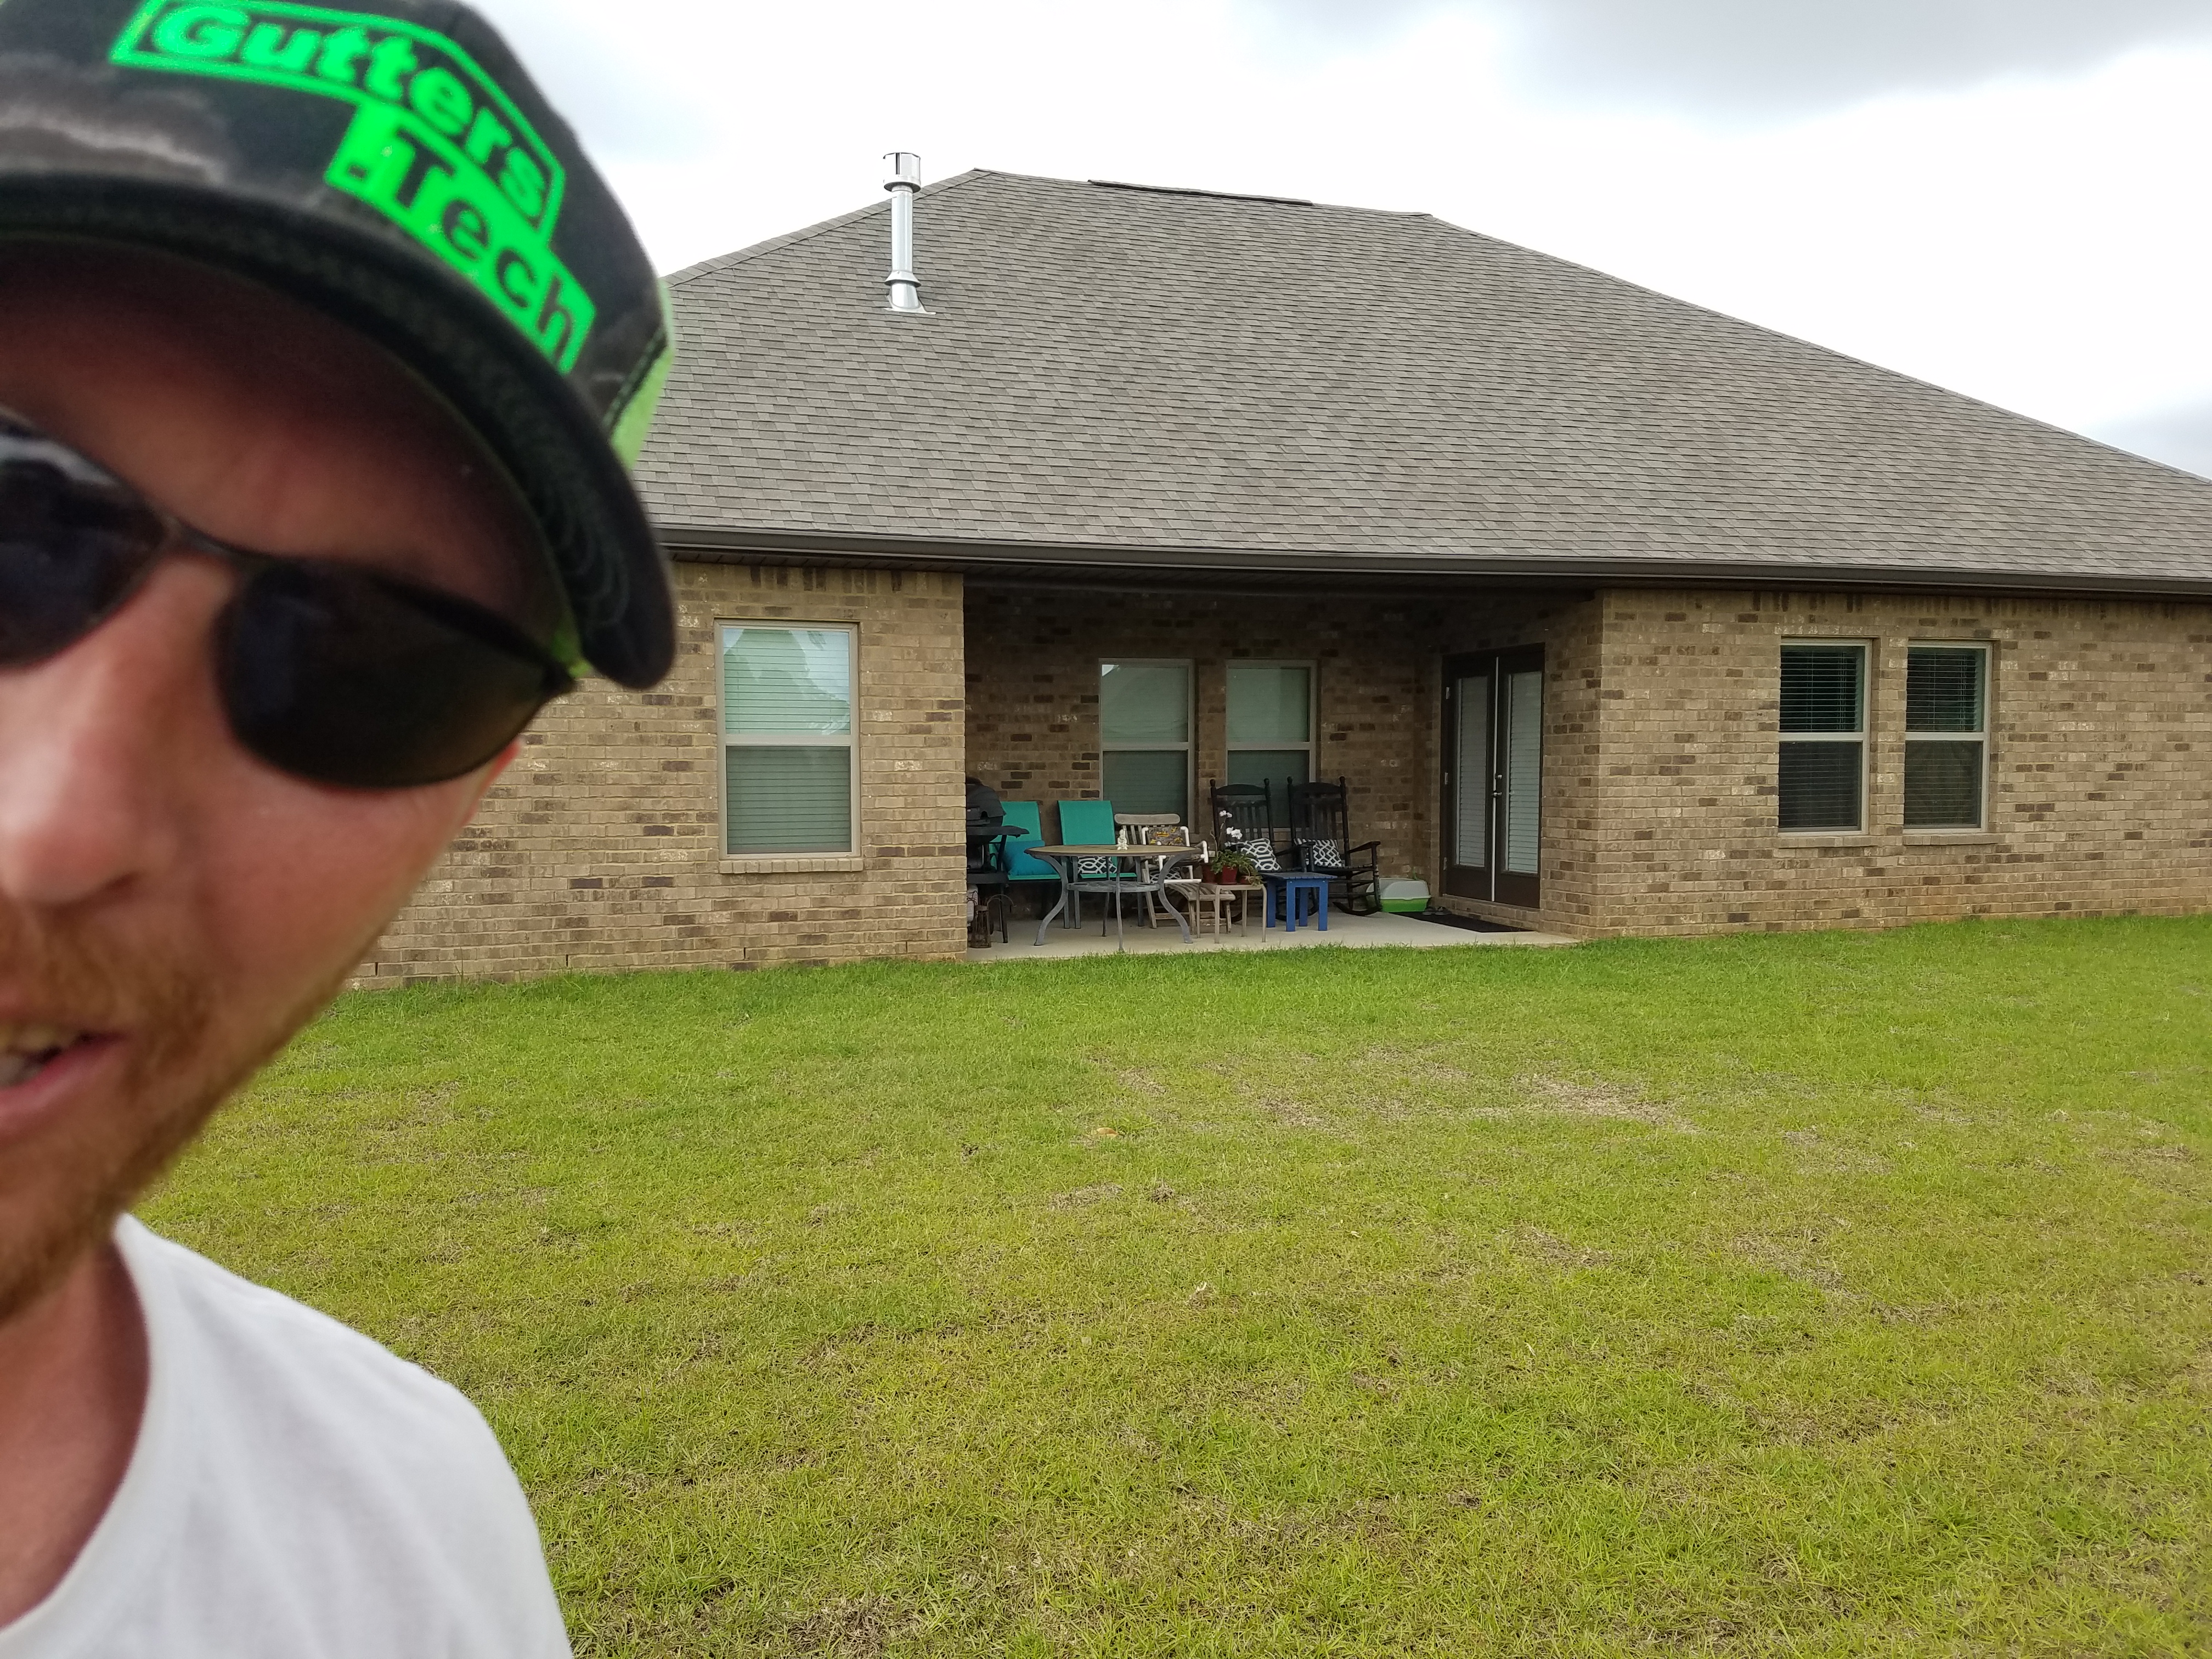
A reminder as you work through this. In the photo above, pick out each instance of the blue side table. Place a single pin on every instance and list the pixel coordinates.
(1287, 891)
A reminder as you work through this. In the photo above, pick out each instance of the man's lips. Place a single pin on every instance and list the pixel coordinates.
(27, 1050)
(39, 1068)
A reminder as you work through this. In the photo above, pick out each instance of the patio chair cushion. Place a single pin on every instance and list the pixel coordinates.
(1322, 855)
(1263, 855)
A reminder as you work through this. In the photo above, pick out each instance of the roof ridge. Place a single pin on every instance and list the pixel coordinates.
(1192, 189)
(791, 238)
(807, 232)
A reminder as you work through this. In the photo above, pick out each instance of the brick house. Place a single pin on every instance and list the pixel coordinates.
(1619, 616)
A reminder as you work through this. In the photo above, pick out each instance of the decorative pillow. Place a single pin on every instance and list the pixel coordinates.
(1092, 869)
(1263, 855)
(1323, 855)
(1166, 834)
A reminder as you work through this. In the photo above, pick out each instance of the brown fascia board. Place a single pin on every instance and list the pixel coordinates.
(706, 546)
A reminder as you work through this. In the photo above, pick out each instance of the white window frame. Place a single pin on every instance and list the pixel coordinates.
(1311, 746)
(1188, 745)
(1863, 737)
(1982, 737)
(850, 739)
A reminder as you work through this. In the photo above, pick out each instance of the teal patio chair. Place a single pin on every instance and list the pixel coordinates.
(1089, 823)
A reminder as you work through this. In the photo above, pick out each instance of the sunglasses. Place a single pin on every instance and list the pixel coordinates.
(328, 671)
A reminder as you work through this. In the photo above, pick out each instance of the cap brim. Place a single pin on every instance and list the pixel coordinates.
(575, 485)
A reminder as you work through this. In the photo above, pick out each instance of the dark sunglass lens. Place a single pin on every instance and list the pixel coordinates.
(73, 543)
(340, 676)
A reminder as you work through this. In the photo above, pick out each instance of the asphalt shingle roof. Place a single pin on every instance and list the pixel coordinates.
(1116, 376)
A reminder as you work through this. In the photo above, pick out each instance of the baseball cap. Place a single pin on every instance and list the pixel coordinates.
(392, 167)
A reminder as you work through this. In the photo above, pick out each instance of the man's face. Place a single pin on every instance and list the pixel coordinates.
(172, 908)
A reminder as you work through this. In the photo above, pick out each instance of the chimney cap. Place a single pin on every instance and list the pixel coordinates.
(906, 169)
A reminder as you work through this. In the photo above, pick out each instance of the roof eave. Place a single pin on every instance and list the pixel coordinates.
(723, 546)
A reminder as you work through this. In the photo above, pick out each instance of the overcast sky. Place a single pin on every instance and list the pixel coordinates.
(2011, 197)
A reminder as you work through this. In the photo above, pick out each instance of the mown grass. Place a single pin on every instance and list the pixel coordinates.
(1823, 1294)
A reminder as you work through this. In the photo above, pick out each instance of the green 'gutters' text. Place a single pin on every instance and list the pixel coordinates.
(435, 145)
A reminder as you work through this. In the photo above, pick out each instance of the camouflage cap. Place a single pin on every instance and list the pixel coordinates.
(394, 167)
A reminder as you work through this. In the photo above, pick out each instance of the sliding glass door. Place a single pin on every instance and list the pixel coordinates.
(1494, 776)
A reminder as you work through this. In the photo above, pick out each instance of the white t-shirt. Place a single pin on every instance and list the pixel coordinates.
(296, 1492)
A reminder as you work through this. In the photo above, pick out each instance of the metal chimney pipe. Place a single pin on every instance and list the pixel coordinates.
(904, 184)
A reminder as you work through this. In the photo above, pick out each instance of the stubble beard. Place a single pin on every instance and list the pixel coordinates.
(62, 1189)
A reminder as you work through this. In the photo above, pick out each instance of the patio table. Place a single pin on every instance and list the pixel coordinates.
(1064, 860)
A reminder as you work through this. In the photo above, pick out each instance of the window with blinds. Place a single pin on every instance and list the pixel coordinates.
(1470, 767)
(1270, 723)
(1823, 760)
(789, 780)
(1947, 698)
(1524, 771)
(1144, 736)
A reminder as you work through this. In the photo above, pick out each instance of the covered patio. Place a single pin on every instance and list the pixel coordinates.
(1146, 699)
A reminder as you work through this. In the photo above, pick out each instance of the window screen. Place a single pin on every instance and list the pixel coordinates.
(787, 738)
(1822, 773)
(1271, 713)
(1945, 736)
(1144, 736)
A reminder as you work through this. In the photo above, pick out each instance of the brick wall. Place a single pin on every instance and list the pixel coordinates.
(602, 846)
(2100, 774)
(602, 849)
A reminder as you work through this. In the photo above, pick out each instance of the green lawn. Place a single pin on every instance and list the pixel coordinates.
(1824, 1294)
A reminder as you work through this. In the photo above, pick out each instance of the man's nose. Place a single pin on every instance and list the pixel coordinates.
(103, 748)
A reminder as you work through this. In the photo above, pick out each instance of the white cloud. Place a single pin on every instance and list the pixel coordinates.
(2038, 243)
(1715, 59)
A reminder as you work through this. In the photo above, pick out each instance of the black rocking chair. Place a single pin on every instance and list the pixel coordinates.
(1320, 829)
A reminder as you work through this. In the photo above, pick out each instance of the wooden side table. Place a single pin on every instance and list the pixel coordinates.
(1213, 901)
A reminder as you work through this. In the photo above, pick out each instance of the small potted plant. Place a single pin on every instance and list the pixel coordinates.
(1235, 868)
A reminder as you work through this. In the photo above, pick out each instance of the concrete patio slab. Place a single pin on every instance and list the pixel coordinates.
(1352, 932)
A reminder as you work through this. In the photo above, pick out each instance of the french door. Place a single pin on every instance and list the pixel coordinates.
(1494, 776)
